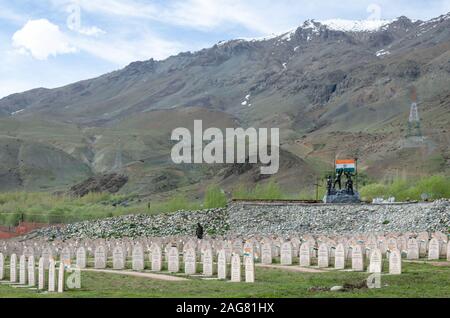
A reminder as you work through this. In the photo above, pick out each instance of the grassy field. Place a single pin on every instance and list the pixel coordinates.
(417, 280)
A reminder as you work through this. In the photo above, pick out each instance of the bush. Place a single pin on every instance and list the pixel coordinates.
(215, 198)
(270, 191)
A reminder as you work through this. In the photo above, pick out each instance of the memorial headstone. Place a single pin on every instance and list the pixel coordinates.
(433, 250)
(51, 275)
(339, 257)
(2, 266)
(357, 258)
(249, 270)
(100, 257)
(323, 256)
(286, 253)
(412, 249)
(266, 253)
(13, 268)
(41, 274)
(395, 262)
(222, 264)
(138, 258)
(81, 257)
(22, 270)
(118, 258)
(156, 255)
(173, 260)
(207, 262)
(235, 268)
(65, 256)
(376, 260)
(305, 255)
(31, 271)
(190, 261)
(61, 277)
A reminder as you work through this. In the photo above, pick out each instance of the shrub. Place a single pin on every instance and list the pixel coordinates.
(214, 198)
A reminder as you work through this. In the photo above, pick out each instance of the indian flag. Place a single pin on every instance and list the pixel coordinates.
(346, 165)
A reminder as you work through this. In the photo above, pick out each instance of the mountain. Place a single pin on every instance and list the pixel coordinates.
(334, 88)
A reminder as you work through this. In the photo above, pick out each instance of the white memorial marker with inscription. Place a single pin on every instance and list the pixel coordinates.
(61, 277)
(305, 255)
(339, 257)
(235, 268)
(207, 262)
(323, 256)
(13, 268)
(249, 270)
(31, 271)
(51, 275)
(81, 257)
(100, 257)
(118, 258)
(286, 253)
(190, 261)
(357, 258)
(173, 259)
(156, 255)
(412, 249)
(433, 250)
(41, 274)
(375, 261)
(266, 251)
(2, 266)
(395, 262)
(138, 258)
(222, 264)
(22, 270)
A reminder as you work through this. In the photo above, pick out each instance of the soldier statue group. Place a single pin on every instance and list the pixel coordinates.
(332, 183)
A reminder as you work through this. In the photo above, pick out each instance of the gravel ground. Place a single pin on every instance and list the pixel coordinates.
(247, 219)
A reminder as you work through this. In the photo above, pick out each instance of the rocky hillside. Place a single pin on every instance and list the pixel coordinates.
(329, 90)
(245, 220)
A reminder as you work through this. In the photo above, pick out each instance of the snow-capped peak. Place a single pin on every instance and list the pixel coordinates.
(355, 25)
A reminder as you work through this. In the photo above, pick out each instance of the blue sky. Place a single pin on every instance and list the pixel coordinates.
(50, 43)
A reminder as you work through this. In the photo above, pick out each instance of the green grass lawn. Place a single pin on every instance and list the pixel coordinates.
(418, 280)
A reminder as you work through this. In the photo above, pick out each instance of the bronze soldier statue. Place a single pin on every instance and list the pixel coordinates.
(338, 179)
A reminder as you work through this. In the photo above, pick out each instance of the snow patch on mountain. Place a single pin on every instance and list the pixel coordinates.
(355, 25)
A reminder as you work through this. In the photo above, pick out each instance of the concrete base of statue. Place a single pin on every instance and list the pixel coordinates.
(342, 196)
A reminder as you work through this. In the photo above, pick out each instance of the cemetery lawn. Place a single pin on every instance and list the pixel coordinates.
(417, 280)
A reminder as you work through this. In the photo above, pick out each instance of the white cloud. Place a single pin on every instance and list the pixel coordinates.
(41, 39)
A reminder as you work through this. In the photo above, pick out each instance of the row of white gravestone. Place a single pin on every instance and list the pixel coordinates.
(323, 258)
(27, 272)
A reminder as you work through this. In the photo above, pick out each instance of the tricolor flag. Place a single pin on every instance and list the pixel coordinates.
(346, 165)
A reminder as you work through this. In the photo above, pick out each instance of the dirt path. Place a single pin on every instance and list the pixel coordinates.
(292, 268)
(139, 274)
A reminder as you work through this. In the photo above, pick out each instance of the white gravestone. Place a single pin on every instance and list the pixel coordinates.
(376, 260)
(190, 261)
(422, 239)
(323, 256)
(22, 270)
(227, 246)
(357, 258)
(266, 253)
(138, 258)
(249, 270)
(286, 253)
(100, 257)
(222, 264)
(118, 258)
(305, 255)
(433, 250)
(31, 271)
(46, 254)
(412, 249)
(207, 262)
(395, 262)
(235, 268)
(81, 257)
(51, 275)
(339, 257)
(13, 268)
(173, 259)
(2, 266)
(41, 274)
(65, 256)
(156, 260)
(61, 277)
